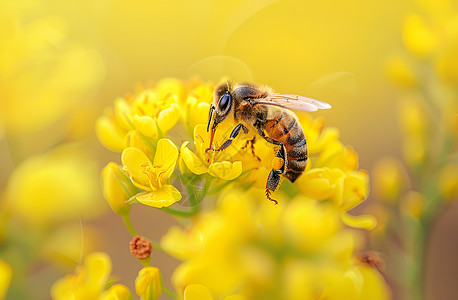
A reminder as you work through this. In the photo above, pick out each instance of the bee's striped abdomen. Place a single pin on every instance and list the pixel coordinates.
(286, 129)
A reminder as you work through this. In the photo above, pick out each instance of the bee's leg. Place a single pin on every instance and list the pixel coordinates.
(272, 183)
(252, 149)
(278, 166)
(233, 135)
(251, 143)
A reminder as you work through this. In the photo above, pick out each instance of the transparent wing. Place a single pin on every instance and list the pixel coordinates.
(293, 102)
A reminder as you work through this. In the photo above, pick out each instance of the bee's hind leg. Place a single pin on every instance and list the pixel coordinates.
(278, 168)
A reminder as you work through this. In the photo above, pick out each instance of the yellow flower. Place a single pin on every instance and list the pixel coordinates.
(197, 104)
(413, 204)
(117, 188)
(345, 189)
(212, 162)
(448, 181)
(88, 281)
(37, 91)
(191, 161)
(148, 283)
(200, 292)
(294, 251)
(418, 37)
(197, 292)
(359, 282)
(153, 177)
(400, 73)
(152, 112)
(389, 178)
(117, 292)
(6, 273)
(60, 185)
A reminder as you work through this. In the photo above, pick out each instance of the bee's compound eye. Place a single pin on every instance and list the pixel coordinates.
(224, 102)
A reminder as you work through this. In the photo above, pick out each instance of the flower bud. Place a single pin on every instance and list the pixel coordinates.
(389, 179)
(413, 203)
(148, 283)
(448, 182)
(418, 37)
(140, 247)
(117, 292)
(117, 188)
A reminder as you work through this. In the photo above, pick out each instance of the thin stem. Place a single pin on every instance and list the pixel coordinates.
(132, 231)
(128, 224)
(167, 291)
(179, 212)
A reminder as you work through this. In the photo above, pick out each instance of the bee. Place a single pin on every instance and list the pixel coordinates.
(258, 109)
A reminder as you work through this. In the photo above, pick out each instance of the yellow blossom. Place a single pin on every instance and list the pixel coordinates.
(153, 177)
(200, 292)
(197, 104)
(37, 91)
(291, 251)
(448, 181)
(152, 112)
(412, 203)
(117, 188)
(191, 161)
(400, 73)
(117, 292)
(211, 161)
(197, 292)
(6, 273)
(88, 281)
(389, 178)
(418, 37)
(148, 283)
(345, 189)
(56, 186)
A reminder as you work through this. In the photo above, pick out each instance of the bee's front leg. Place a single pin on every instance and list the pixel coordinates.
(233, 135)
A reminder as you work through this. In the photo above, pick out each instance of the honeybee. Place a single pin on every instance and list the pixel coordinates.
(258, 109)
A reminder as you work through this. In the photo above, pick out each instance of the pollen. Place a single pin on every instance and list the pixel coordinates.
(153, 173)
(277, 163)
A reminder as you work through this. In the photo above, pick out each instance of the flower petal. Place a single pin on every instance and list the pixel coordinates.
(146, 126)
(361, 222)
(226, 170)
(110, 134)
(192, 161)
(133, 159)
(197, 291)
(168, 118)
(166, 157)
(163, 197)
(201, 139)
(97, 269)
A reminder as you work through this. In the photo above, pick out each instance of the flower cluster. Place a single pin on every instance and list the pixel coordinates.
(413, 192)
(299, 250)
(243, 248)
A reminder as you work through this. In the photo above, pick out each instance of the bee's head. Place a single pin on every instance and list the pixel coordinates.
(222, 105)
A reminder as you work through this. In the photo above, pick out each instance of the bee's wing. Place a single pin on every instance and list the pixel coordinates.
(293, 102)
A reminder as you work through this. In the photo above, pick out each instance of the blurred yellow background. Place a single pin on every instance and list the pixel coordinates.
(62, 62)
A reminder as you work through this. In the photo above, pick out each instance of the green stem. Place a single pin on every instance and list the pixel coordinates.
(128, 224)
(132, 231)
(179, 212)
(167, 291)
